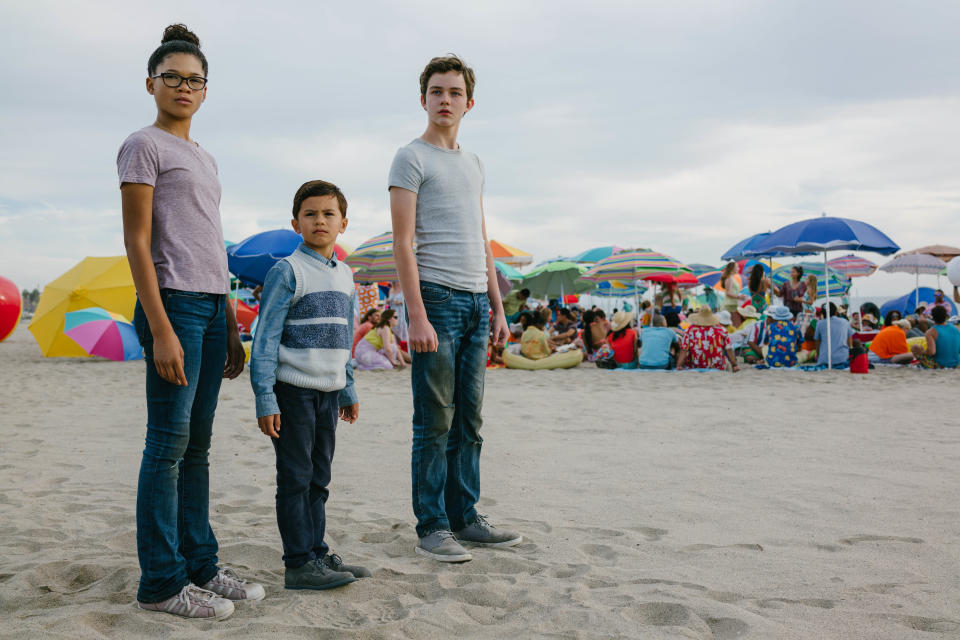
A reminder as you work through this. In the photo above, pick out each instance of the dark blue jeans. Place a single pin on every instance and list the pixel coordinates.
(308, 428)
(175, 543)
(447, 400)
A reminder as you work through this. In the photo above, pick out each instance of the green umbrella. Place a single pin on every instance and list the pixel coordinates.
(556, 279)
(508, 272)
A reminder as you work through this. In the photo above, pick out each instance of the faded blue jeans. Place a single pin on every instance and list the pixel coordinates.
(175, 543)
(447, 400)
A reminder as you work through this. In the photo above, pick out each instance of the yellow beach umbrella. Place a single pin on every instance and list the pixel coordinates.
(93, 282)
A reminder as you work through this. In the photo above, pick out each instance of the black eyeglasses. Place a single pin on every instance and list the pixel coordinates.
(174, 80)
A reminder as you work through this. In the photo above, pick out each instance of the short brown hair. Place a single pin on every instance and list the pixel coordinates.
(319, 188)
(449, 62)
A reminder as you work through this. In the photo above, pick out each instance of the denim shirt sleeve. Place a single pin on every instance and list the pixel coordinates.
(348, 395)
(278, 289)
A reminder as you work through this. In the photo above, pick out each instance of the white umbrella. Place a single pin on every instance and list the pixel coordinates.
(915, 263)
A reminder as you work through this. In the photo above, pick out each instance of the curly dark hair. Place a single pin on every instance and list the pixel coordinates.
(176, 39)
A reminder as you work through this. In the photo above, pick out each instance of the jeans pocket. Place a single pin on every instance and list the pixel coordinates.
(432, 293)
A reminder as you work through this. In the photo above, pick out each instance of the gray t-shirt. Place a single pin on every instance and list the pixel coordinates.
(186, 238)
(449, 231)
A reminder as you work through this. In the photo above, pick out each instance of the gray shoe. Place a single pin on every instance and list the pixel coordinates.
(335, 563)
(193, 602)
(315, 575)
(483, 533)
(442, 546)
(227, 584)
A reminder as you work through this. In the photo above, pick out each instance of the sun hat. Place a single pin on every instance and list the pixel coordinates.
(724, 318)
(869, 318)
(779, 312)
(704, 317)
(621, 319)
(904, 324)
(748, 311)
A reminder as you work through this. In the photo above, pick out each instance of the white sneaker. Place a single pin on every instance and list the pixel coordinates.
(193, 602)
(227, 584)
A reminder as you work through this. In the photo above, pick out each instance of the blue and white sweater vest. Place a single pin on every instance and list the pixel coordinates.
(318, 333)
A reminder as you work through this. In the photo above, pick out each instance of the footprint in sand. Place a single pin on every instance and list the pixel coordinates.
(929, 625)
(379, 537)
(871, 538)
(727, 628)
(599, 551)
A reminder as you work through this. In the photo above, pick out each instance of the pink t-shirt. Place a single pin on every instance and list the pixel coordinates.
(186, 238)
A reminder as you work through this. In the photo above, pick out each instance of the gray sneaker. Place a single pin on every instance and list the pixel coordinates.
(485, 534)
(227, 584)
(315, 575)
(335, 562)
(193, 602)
(442, 546)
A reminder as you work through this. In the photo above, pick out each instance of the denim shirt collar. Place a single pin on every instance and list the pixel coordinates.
(332, 262)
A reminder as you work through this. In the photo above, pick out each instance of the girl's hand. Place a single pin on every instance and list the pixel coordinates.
(235, 356)
(168, 358)
(350, 413)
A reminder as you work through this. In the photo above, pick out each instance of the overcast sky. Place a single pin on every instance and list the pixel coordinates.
(679, 126)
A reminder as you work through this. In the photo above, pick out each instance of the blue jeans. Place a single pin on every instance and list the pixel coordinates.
(308, 429)
(447, 400)
(175, 543)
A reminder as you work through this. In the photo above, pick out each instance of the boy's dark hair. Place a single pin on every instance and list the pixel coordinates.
(833, 309)
(673, 319)
(176, 39)
(525, 293)
(939, 315)
(449, 62)
(319, 188)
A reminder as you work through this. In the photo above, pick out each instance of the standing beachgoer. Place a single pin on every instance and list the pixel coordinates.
(793, 291)
(758, 285)
(303, 382)
(170, 195)
(731, 288)
(436, 198)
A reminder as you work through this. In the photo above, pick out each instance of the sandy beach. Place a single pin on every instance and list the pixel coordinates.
(765, 504)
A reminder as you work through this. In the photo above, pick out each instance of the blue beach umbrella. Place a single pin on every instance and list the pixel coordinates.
(596, 254)
(823, 234)
(250, 259)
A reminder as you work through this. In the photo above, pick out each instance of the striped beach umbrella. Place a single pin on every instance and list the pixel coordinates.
(373, 260)
(853, 266)
(633, 265)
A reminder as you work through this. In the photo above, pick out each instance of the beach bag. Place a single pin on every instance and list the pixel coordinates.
(606, 363)
(859, 362)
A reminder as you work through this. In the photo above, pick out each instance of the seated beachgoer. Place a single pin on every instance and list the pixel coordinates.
(534, 343)
(841, 338)
(890, 345)
(564, 329)
(673, 323)
(780, 335)
(595, 331)
(808, 349)
(918, 327)
(657, 345)
(369, 321)
(646, 313)
(867, 322)
(943, 343)
(705, 343)
(378, 348)
(623, 340)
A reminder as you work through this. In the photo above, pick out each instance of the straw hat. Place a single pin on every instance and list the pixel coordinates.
(724, 318)
(748, 311)
(779, 312)
(904, 324)
(704, 317)
(621, 319)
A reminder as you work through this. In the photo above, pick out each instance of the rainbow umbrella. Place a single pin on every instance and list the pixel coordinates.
(102, 333)
(511, 255)
(373, 260)
(852, 266)
(633, 265)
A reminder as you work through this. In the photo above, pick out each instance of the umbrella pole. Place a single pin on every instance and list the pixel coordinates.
(916, 290)
(826, 276)
(562, 302)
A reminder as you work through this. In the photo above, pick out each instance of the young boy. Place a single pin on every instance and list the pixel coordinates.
(450, 286)
(301, 375)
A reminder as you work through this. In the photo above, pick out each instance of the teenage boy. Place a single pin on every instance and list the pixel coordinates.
(301, 375)
(450, 287)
